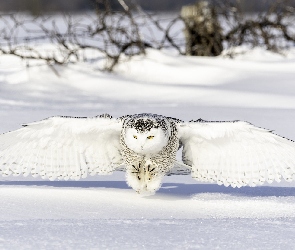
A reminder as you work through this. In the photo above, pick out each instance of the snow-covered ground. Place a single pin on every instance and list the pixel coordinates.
(102, 212)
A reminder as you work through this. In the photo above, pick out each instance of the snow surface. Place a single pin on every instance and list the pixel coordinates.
(102, 212)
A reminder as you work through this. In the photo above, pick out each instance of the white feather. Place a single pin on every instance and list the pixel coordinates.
(243, 154)
(58, 147)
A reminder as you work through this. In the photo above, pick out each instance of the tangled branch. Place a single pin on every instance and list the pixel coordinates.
(107, 34)
(110, 35)
(272, 29)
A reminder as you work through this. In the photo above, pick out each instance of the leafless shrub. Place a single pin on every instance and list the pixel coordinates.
(113, 35)
(110, 33)
(271, 29)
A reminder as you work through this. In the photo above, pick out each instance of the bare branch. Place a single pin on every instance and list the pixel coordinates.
(124, 5)
(111, 35)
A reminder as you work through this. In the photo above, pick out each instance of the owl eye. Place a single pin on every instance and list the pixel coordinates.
(150, 137)
(135, 136)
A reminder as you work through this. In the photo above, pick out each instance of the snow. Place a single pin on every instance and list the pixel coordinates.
(103, 212)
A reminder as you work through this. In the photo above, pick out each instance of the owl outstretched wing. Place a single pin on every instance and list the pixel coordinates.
(236, 153)
(62, 147)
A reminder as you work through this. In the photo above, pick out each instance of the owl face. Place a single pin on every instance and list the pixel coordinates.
(147, 142)
(146, 135)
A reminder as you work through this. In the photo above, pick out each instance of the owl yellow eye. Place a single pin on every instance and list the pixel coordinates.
(135, 136)
(150, 137)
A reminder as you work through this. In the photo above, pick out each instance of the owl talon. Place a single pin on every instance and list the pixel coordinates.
(137, 169)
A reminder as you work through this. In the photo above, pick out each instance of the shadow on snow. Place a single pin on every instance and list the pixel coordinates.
(174, 189)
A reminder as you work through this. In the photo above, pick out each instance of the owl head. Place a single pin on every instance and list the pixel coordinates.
(146, 135)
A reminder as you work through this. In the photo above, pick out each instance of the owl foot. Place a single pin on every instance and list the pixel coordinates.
(143, 178)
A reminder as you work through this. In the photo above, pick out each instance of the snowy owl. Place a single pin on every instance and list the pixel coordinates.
(144, 145)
